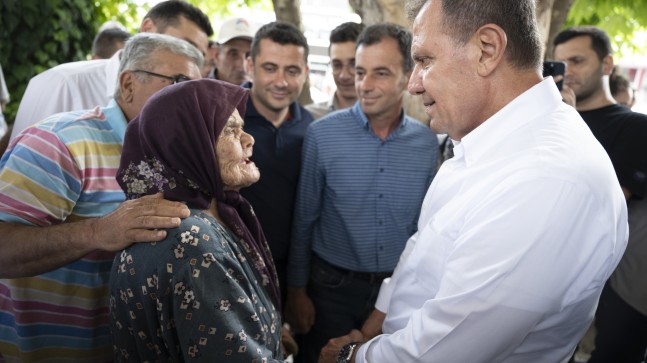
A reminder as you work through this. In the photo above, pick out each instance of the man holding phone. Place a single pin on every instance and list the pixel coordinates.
(555, 69)
(621, 317)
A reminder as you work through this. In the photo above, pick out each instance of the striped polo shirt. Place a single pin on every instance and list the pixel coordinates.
(63, 168)
(359, 196)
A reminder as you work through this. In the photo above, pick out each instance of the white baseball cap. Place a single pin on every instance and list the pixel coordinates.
(234, 28)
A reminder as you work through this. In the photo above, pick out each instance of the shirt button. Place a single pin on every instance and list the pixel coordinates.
(381, 170)
(380, 195)
(380, 223)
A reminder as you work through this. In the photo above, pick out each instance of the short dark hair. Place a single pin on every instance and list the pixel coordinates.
(375, 33)
(346, 32)
(282, 33)
(461, 18)
(167, 13)
(618, 82)
(106, 42)
(600, 41)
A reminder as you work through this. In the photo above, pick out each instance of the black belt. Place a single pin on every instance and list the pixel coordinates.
(370, 277)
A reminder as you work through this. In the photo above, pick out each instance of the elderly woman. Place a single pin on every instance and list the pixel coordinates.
(209, 291)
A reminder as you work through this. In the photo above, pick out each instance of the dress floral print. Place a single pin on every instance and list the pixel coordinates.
(193, 297)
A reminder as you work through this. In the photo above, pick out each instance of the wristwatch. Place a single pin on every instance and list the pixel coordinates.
(346, 352)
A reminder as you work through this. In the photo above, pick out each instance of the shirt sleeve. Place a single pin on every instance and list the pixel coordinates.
(630, 158)
(4, 93)
(40, 182)
(521, 256)
(306, 213)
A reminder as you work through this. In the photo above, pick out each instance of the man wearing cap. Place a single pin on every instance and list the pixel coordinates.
(234, 41)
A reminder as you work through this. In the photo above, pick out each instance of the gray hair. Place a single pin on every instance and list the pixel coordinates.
(141, 49)
(461, 18)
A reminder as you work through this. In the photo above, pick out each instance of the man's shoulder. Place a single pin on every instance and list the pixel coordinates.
(336, 119)
(304, 113)
(417, 125)
(416, 128)
(73, 72)
(75, 126)
(92, 118)
(634, 116)
(630, 121)
(319, 109)
(613, 112)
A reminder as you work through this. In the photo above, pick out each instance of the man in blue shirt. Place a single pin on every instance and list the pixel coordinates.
(365, 172)
(278, 69)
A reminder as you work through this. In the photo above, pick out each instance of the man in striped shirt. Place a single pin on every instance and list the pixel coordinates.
(63, 217)
(365, 172)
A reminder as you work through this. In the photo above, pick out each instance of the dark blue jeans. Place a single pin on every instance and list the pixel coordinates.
(342, 302)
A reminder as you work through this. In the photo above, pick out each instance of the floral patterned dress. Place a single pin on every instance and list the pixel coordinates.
(193, 297)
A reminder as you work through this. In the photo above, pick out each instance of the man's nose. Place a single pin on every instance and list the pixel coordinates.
(281, 79)
(415, 82)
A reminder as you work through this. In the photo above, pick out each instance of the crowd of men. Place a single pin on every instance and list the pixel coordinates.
(501, 254)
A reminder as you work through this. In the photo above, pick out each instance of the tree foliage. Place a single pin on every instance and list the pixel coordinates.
(619, 18)
(40, 34)
(225, 8)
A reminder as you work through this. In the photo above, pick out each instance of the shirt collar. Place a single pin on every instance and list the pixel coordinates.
(112, 73)
(530, 105)
(295, 114)
(116, 119)
(363, 120)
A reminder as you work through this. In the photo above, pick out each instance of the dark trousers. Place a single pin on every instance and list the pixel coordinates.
(622, 331)
(342, 299)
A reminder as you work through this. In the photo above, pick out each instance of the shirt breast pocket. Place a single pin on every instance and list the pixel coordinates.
(428, 258)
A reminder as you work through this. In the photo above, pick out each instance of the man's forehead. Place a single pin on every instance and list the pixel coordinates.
(575, 46)
(267, 42)
(342, 50)
(386, 42)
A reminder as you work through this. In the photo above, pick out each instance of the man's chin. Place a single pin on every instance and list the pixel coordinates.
(437, 127)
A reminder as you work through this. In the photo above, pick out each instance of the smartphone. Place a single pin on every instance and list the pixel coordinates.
(555, 68)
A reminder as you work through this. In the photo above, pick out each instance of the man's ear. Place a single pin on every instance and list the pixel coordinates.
(127, 86)
(249, 68)
(215, 50)
(607, 64)
(491, 41)
(148, 26)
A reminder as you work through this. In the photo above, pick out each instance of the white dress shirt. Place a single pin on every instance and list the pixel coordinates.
(517, 235)
(67, 87)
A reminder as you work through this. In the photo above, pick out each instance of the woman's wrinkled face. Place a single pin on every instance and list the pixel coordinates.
(233, 150)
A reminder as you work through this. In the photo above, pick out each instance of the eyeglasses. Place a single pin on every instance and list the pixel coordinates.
(174, 79)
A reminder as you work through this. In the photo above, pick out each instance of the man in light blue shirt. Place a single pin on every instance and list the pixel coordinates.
(365, 172)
